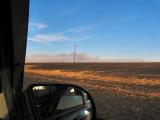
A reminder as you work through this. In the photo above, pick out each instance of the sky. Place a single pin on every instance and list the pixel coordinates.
(103, 29)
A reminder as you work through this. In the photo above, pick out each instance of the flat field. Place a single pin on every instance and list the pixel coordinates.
(122, 91)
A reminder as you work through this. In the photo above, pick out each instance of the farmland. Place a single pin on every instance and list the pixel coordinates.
(122, 91)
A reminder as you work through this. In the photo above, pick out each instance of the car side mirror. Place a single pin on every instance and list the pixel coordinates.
(60, 101)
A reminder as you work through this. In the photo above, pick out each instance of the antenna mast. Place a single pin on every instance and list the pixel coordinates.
(74, 53)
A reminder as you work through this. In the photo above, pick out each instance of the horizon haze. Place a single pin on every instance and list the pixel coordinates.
(102, 30)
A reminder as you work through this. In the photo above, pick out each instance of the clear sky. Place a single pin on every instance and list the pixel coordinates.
(104, 28)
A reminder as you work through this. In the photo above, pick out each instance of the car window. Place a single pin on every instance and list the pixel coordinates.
(109, 47)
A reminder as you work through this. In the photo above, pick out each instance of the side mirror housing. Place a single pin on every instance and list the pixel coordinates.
(59, 101)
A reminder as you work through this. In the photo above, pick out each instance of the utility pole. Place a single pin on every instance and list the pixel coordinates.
(74, 53)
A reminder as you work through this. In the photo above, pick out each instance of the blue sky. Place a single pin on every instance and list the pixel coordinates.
(104, 28)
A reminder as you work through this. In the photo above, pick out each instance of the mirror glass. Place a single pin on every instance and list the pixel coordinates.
(62, 102)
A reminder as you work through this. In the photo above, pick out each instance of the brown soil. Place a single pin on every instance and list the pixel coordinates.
(122, 91)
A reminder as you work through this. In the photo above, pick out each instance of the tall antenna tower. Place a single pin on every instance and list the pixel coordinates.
(74, 53)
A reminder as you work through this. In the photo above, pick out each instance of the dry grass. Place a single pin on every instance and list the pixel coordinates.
(92, 75)
(121, 91)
